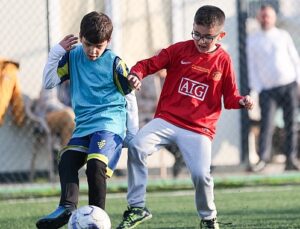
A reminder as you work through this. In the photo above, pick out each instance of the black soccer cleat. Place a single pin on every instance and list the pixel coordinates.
(56, 219)
(292, 165)
(209, 224)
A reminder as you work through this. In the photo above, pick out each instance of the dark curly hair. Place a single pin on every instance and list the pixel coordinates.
(209, 16)
(96, 27)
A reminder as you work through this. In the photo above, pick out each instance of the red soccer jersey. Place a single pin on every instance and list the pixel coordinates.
(191, 97)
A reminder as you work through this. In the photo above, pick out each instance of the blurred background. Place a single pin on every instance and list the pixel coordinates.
(141, 28)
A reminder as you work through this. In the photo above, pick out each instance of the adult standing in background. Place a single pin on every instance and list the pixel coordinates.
(274, 74)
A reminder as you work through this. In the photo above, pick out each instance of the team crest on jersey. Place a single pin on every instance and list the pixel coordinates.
(101, 144)
(216, 76)
(193, 88)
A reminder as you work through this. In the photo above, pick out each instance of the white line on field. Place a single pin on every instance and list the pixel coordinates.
(155, 194)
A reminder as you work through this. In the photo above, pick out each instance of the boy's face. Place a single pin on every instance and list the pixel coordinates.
(93, 51)
(205, 38)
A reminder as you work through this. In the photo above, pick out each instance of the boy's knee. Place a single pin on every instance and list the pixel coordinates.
(136, 144)
(70, 162)
(133, 143)
(95, 168)
(201, 176)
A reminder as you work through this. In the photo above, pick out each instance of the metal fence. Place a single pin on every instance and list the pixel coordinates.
(141, 28)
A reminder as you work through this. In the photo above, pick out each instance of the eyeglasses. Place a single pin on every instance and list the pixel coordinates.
(205, 38)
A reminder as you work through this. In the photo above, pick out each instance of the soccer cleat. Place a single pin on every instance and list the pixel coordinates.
(209, 224)
(133, 216)
(56, 219)
(259, 166)
(292, 165)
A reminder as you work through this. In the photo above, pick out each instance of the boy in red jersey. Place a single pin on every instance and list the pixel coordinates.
(199, 74)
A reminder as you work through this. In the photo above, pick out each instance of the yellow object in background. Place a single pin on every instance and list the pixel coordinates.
(10, 91)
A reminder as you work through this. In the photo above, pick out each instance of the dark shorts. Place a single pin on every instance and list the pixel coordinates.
(102, 145)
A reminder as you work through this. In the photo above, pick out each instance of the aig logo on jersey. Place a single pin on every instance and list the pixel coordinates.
(193, 88)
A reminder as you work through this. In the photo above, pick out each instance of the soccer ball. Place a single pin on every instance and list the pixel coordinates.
(91, 217)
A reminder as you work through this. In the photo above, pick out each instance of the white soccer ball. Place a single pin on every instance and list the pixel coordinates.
(91, 217)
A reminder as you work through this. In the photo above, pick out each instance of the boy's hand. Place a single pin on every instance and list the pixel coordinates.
(68, 42)
(134, 82)
(247, 102)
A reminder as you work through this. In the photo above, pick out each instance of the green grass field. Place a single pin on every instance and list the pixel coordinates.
(260, 207)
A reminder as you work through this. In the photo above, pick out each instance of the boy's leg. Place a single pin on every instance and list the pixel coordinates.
(96, 177)
(153, 136)
(68, 167)
(103, 154)
(196, 151)
(148, 140)
(70, 163)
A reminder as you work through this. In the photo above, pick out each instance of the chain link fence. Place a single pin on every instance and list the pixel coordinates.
(141, 28)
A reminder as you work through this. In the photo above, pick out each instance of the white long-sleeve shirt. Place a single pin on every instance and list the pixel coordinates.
(272, 59)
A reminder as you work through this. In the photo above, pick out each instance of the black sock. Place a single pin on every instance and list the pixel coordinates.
(70, 163)
(96, 177)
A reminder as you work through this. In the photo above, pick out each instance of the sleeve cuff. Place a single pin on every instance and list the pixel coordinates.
(57, 50)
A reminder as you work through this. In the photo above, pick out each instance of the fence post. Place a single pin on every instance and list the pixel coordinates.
(243, 72)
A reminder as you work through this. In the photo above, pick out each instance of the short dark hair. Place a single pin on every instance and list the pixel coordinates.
(96, 27)
(265, 6)
(209, 16)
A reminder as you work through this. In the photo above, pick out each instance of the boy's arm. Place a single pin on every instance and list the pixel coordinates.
(122, 84)
(50, 73)
(231, 96)
(56, 69)
(120, 76)
(151, 65)
(247, 102)
(132, 117)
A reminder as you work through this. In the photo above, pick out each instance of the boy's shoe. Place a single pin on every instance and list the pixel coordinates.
(133, 216)
(292, 165)
(259, 166)
(209, 224)
(56, 219)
